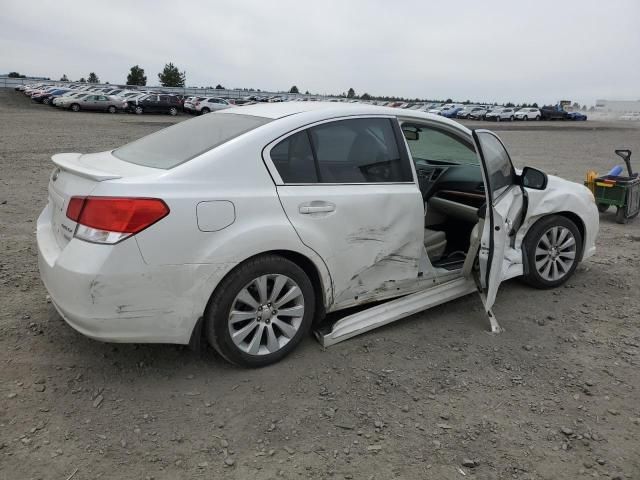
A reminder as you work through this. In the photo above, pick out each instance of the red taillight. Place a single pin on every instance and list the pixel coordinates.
(75, 207)
(116, 214)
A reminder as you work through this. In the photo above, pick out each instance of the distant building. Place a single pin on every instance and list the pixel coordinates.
(618, 106)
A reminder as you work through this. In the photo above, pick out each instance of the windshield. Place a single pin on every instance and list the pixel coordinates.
(186, 140)
(429, 144)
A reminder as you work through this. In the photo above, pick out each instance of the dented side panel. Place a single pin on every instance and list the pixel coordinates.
(371, 241)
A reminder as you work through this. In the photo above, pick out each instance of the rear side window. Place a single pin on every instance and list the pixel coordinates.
(293, 158)
(186, 140)
(344, 151)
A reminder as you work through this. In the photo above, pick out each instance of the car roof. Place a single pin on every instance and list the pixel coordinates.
(331, 110)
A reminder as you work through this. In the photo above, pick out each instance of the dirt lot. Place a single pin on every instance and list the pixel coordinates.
(431, 397)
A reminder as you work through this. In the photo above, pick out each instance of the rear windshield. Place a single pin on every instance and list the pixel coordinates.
(186, 140)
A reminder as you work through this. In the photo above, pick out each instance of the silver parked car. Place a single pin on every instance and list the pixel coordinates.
(97, 102)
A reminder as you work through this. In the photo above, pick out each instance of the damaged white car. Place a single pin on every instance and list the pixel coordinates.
(247, 226)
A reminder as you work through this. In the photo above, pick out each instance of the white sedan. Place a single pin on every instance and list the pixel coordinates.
(247, 226)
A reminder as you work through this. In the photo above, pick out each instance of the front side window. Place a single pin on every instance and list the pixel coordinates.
(497, 162)
(429, 144)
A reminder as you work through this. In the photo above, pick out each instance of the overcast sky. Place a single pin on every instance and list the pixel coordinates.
(488, 50)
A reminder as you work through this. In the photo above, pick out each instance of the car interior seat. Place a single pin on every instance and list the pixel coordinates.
(435, 242)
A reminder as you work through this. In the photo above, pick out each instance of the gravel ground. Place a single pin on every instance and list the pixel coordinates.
(430, 397)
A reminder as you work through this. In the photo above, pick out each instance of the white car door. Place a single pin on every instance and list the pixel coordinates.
(347, 187)
(505, 202)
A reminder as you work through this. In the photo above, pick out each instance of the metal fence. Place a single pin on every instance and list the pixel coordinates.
(10, 82)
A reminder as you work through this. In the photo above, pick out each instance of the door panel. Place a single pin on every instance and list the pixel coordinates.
(370, 236)
(505, 203)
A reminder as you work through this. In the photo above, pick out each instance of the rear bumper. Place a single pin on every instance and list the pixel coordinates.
(108, 293)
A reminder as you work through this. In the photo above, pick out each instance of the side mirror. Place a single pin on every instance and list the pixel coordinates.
(533, 178)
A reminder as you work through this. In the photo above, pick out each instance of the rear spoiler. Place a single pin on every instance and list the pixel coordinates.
(71, 162)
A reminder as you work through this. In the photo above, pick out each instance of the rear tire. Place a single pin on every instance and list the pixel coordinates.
(537, 118)
(204, 111)
(258, 336)
(75, 107)
(138, 110)
(525, 118)
(112, 109)
(553, 246)
(173, 111)
(603, 207)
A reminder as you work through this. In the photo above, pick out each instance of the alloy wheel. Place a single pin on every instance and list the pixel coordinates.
(266, 314)
(555, 253)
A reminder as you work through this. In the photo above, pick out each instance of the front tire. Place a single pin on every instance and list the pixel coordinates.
(138, 110)
(204, 111)
(260, 312)
(603, 207)
(75, 107)
(112, 109)
(553, 246)
(173, 111)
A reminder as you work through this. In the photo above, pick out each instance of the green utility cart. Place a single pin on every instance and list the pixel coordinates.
(619, 191)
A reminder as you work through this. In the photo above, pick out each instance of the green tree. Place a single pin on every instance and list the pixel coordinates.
(93, 78)
(307, 92)
(351, 93)
(219, 87)
(448, 100)
(136, 76)
(534, 105)
(171, 76)
(64, 78)
(365, 96)
(294, 89)
(82, 80)
(15, 75)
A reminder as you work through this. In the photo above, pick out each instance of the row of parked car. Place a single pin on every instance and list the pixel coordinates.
(113, 99)
(85, 97)
(492, 112)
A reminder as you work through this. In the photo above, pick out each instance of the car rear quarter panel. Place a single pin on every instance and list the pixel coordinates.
(233, 172)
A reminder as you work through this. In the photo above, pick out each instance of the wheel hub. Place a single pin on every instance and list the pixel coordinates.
(265, 313)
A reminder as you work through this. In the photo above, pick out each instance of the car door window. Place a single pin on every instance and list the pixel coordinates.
(430, 144)
(293, 158)
(499, 169)
(358, 151)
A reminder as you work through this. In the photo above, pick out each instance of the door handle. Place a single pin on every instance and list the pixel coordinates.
(316, 207)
